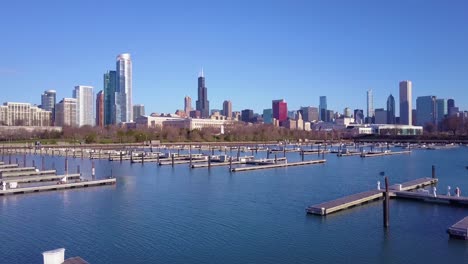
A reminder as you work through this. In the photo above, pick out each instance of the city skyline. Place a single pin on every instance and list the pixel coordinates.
(277, 53)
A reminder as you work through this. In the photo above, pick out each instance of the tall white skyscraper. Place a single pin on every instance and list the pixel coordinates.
(370, 106)
(406, 106)
(124, 88)
(84, 96)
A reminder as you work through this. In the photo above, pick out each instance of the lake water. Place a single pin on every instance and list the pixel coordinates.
(177, 215)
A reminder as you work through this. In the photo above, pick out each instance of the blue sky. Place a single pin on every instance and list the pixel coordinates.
(251, 51)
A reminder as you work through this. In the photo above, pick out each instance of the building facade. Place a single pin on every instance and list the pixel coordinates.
(268, 116)
(124, 88)
(84, 96)
(65, 112)
(202, 104)
(442, 110)
(380, 116)
(247, 115)
(24, 114)
(358, 116)
(309, 114)
(406, 106)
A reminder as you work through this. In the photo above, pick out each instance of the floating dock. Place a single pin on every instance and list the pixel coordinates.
(385, 153)
(459, 229)
(348, 154)
(54, 187)
(262, 167)
(430, 198)
(365, 197)
(27, 179)
(27, 173)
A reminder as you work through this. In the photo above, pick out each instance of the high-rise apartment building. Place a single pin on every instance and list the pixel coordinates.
(187, 104)
(426, 110)
(110, 98)
(406, 105)
(370, 106)
(280, 110)
(391, 110)
(65, 112)
(227, 109)
(48, 101)
(24, 114)
(100, 109)
(84, 96)
(124, 88)
(323, 108)
(203, 105)
(138, 110)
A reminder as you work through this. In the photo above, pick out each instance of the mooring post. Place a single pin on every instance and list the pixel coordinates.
(238, 152)
(318, 150)
(43, 163)
(142, 158)
(121, 156)
(24, 160)
(433, 172)
(190, 155)
(268, 153)
(230, 163)
(172, 156)
(131, 156)
(386, 204)
(284, 151)
(34, 163)
(302, 155)
(93, 169)
(209, 162)
(78, 169)
(9, 158)
(276, 159)
(66, 165)
(17, 161)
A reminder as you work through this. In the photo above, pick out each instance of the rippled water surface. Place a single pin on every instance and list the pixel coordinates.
(177, 215)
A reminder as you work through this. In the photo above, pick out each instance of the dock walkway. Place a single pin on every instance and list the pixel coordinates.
(54, 187)
(26, 179)
(365, 197)
(290, 164)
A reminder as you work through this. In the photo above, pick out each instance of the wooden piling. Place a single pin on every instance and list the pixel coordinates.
(66, 165)
(386, 204)
(433, 172)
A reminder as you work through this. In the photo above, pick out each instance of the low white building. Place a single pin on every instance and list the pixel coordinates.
(178, 122)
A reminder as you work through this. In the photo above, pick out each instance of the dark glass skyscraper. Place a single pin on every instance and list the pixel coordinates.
(110, 95)
(323, 108)
(391, 110)
(203, 105)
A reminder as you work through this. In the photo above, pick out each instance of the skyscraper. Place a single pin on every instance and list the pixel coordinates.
(203, 105)
(84, 105)
(391, 110)
(138, 110)
(187, 105)
(309, 113)
(227, 109)
(358, 116)
(370, 106)
(380, 116)
(124, 88)
(268, 116)
(406, 102)
(247, 115)
(110, 96)
(450, 103)
(323, 108)
(426, 110)
(65, 112)
(280, 110)
(100, 109)
(451, 109)
(48, 101)
(442, 110)
(347, 112)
